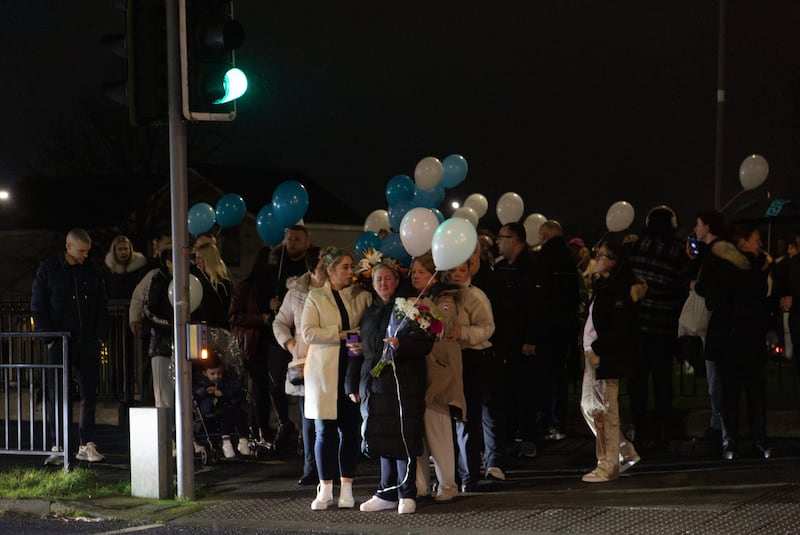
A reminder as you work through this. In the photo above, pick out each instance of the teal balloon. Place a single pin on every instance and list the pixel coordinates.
(367, 240)
(396, 213)
(230, 210)
(455, 171)
(267, 225)
(428, 199)
(289, 202)
(399, 189)
(392, 247)
(201, 218)
(438, 214)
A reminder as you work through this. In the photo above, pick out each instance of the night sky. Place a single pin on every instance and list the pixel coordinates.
(571, 104)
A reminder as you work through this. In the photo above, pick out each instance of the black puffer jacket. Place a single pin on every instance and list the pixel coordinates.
(382, 430)
(615, 318)
(70, 298)
(158, 310)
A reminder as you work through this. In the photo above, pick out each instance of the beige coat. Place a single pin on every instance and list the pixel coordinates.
(445, 367)
(321, 325)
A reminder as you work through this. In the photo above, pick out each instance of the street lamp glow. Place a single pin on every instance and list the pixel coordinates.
(4, 195)
(455, 205)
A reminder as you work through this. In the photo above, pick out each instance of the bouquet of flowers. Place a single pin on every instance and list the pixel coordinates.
(409, 319)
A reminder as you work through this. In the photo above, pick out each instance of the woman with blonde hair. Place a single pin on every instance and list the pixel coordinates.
(329, 314)
(217, 286)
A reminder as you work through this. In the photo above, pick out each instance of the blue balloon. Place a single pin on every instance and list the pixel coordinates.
(430, 198)
(268, 227)
(392, 247)
(201, 218)
(439, 215)
(230, 210)
(399, 189)
(289, 202)
(396, 213)
(455, 171)
(367, 240)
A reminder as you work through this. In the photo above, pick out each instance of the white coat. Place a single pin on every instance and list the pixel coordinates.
(321, 325)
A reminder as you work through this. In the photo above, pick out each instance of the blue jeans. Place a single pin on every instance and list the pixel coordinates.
(715, 393)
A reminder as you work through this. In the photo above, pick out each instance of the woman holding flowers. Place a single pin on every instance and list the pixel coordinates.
(329, 314)
(396, 335)
(444, 397)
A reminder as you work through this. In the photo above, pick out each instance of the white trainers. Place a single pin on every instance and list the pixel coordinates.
(56, 458)
(628, 463)
(407, 506)
(324, 497)
(495, 472)
(227, 448)
(244, 446)
(346, 500)
(89, 453)
(377, 504)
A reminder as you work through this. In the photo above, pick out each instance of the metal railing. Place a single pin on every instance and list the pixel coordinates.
(30, 383)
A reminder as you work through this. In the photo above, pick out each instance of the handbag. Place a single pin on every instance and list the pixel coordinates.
(294, 372)
(694, 317)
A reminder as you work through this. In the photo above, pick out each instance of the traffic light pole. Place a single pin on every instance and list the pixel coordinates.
(180, 261)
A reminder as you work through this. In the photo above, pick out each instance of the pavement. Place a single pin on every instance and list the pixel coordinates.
(682, 485)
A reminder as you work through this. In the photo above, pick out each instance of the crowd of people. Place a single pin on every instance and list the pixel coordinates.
(463, 368)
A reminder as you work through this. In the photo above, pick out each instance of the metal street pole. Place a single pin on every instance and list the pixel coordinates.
(720, 106)
(180, 261)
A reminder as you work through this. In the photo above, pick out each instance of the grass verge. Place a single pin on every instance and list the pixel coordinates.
(58, 485)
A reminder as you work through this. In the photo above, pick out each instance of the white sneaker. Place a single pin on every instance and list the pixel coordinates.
(346, 500)
(324, 497)
(494, 472)
(227, 449)
(56, 458)
(244, 446)
(89, 453)
(407, 506)
(377, 504)
(628, 463)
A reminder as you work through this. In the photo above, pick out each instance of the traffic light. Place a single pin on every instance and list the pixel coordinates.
(144, 46)
(210, 81)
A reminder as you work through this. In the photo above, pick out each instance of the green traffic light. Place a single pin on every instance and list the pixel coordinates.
(234, 84)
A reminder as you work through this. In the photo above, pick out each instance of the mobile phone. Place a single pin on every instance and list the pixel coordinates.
(352, 338)
(694, 248)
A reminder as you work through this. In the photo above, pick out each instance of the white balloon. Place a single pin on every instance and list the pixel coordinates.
(753, 171)
(619, 216)
(195, 293)
(509, 208)
(532, 224)
(428, 173)
(453, 243)
(478, 202)
(468, 213)
(376, 221)
(416, 230)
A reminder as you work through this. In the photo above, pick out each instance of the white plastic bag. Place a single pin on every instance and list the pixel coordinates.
(694, 317)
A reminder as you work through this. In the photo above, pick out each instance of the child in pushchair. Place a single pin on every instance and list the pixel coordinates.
(218, 399)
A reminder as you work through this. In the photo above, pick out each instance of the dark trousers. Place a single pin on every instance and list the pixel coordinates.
(398, 479)
(521, 413)
(655, 358)
(338, 442)
(259, 400)
(277, 363)
(307, 430)
(83, 365)
(750, 377)
(550, 380)
(470, 433)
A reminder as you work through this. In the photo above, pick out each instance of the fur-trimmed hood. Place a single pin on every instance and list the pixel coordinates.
(138, 261)
(728, 251)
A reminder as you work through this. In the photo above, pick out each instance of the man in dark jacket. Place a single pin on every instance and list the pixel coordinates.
(69, 295)
(556, 283)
